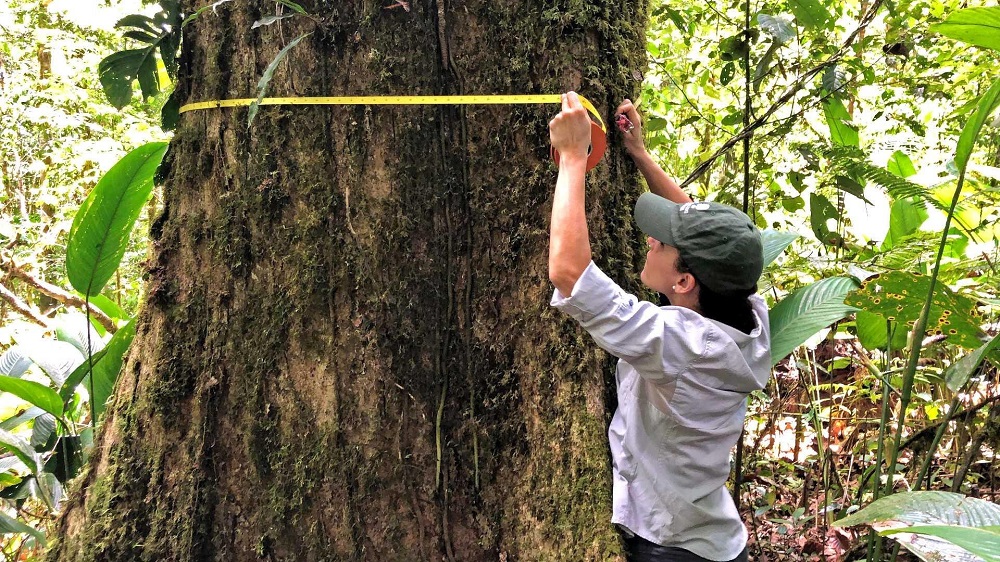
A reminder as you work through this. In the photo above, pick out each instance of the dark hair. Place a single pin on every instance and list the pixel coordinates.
(732, 309)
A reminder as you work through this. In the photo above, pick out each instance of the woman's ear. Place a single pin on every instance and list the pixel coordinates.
(686, 283)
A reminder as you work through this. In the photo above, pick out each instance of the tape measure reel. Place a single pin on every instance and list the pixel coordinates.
(598, 135)
(598, 144)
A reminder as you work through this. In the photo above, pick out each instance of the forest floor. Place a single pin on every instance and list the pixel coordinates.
(811, 445)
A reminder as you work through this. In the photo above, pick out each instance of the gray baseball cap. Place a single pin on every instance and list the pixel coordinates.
(720, 244)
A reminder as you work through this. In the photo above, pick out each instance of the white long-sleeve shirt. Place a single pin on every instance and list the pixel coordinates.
(682, 381)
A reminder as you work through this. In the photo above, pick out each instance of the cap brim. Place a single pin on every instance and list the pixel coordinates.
(653, 214)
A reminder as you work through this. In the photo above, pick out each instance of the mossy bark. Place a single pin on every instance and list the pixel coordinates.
(346, 350)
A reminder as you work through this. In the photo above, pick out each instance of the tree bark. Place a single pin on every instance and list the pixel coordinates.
(346, 350)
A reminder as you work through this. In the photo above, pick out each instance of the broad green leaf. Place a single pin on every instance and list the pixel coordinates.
(10, 424)
(763, 65)
(899, 296)
(775, 242)
(46, 487)
(76, 377)
(834, 78)
(10, 525)
(805, 312)
(108, 306)
(976, 26)
(970, 133)
(904, 510)
(265, 79)
(926, 508)
(33, 393)
(901, 165)
(14, 362)
(21, 449)
(777, 27)
(906, 216)
(55, 358)
(809, 13)
(42, 431)
(73, 328)
(850, 185)
(842, 132)
(118, 70)
(106, 371)
(101, 229)
(959, 372)
(821, 211)
(981, 541)
(873, 332)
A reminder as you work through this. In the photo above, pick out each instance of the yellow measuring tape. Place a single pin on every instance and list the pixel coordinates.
(598, 132)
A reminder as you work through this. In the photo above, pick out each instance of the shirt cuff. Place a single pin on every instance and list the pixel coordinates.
(593, 293)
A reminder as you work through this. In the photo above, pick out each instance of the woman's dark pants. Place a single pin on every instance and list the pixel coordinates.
(639, 549)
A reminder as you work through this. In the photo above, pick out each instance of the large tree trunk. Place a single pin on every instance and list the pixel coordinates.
(346, 350)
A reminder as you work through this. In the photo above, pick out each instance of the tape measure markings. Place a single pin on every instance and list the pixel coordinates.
(397, 100)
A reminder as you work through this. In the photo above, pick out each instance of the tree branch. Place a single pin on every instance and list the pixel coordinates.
(22, 307)
(800, 83)
(56, 293)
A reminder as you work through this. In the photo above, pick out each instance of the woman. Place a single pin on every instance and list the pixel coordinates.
(684, 370)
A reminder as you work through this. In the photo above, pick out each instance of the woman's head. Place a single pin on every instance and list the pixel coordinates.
(719, 244)
(703, 256)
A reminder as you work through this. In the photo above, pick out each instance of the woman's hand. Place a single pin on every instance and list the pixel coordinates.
(632, 139)
(569, 132)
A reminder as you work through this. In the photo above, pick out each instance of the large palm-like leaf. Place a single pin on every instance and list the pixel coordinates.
(920, 520)
(810, 309)
(104, 222)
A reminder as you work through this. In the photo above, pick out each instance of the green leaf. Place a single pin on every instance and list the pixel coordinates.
(842, 132)
(265, 80)
(976, 26)
(118, 70)
(901, 165)
(33, 393)
(926, 508)
(57, 359)
(10, 424)
(775, 242)
(874, 331)
(21, 449)
(73, 328)
(805, 312)
(101, 229)
(821, 211)
(905, 510)
(106, 371)
(108, 306)
(851, 185)
(899, 296)
(69, 386)
(14, 362)
(297, 8)
(728, 72)
(981, 541)
(777, 27)
(906, 216)
(809, 13)
(10, 525)
(763, 65)
(42, 432)
(959, 372)
(834, 78)
(970, 133)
